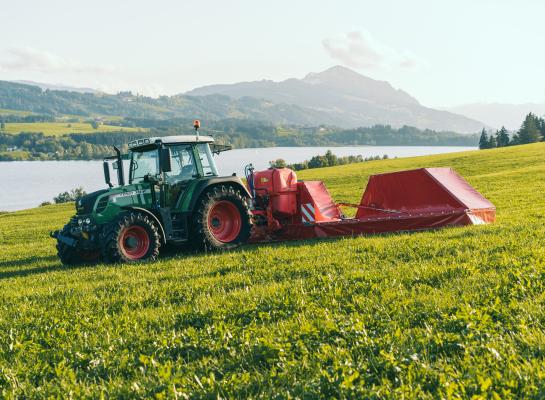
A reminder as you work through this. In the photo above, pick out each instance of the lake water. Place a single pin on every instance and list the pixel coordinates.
(28, 183)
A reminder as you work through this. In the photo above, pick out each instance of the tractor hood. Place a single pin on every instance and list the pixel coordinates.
(85, 204)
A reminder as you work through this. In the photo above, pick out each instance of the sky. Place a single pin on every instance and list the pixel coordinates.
(444, 53)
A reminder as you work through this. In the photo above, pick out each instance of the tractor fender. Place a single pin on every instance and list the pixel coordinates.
(203, 186)
(152, 215)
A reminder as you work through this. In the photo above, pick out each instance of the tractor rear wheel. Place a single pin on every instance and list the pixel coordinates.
(74, 255)
(222, 220)
(133, 237)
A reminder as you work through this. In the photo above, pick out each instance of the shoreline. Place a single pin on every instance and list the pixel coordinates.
(262, 148)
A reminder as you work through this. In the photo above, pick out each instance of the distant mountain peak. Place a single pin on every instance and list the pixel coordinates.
(335, 72)
(346, 98)
(354, 83)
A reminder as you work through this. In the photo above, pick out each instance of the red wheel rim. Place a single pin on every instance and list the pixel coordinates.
(134, 242)
(224, 221)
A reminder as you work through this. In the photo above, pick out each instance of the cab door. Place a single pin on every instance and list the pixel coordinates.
(183, 171)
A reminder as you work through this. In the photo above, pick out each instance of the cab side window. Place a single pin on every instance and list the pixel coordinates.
(207, 161)
(183, 165)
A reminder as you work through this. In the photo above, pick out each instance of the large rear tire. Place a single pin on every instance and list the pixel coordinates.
(132, 237)
(221, 220)
(74, 255)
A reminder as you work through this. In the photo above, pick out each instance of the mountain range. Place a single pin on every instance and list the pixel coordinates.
(337, 96)
(343, 97)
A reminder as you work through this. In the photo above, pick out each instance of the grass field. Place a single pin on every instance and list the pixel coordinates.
(455, 313)
(62, 128)
(4, 111)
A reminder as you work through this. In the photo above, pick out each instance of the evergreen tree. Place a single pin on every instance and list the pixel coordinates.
(541, 125)
(492, 142)
(529, 132)
(502, 137)
(483, 141)
(331, 158)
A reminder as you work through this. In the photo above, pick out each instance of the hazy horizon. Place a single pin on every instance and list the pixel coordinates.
(442, 54)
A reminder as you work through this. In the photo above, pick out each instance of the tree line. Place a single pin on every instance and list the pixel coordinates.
(30, 146)
(238, 133)
(532, 130)
(327, 160)
(27, 119)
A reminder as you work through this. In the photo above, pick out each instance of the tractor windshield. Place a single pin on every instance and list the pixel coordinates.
(143, 163)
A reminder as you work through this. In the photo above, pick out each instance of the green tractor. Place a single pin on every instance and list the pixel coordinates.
(173, 195)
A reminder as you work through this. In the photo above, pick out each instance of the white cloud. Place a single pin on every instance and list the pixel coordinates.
(28, 63)
(29, 59)
(359, 49)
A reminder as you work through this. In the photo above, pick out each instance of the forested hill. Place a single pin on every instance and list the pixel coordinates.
(16, 96)
(336, 97)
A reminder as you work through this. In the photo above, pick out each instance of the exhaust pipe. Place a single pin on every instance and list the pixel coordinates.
(120, 172)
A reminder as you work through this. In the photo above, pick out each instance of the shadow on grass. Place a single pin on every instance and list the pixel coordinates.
(25, 261)
(171, 252)
(18, 273)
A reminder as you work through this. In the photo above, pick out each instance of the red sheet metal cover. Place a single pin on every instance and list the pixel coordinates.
(316, 203)
(458, 187)
(406, 192)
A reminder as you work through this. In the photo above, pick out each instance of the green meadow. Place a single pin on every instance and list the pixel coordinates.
(63, 128)
(452, 313)
(4, 111)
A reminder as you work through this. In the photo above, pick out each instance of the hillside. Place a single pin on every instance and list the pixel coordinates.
(336, 97)
(48, 86)
(63, 128)
(15, 96)
(455, 313)
(347, 99)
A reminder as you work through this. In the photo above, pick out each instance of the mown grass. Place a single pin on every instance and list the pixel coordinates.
(454, 313)
(62, 128)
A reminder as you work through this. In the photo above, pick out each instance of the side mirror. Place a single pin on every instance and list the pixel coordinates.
(107, 178)
(165, 159)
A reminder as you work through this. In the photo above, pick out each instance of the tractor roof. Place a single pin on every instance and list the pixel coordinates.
(182, 139)
(185, 139)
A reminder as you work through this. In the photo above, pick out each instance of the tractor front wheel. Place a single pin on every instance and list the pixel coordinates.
(133, 237)
(221, 220)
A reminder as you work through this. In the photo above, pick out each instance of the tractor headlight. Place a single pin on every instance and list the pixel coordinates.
(87, 221)
(80, 222)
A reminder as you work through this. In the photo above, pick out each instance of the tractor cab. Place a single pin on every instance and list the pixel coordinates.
(180, 158)
(172, 163)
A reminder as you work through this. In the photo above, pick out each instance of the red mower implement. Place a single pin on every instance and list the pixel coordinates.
(421, 199)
